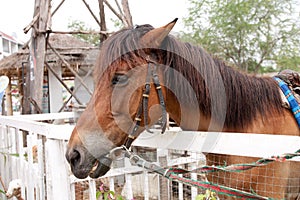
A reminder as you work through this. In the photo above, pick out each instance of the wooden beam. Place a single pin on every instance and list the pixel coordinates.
(74, 91)
(30, 25)
(114, 11)
(8, 99)
(102, 21)
(70, 68)
(37, 52)
(26, 106)
(63, 84)
(56, 9)
(94, 16)
(119, 7)
(81, 32)
(127, 13)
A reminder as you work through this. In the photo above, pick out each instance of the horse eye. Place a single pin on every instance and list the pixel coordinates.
(119, 79)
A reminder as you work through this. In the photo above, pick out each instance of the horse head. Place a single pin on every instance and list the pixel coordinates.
(123, 68)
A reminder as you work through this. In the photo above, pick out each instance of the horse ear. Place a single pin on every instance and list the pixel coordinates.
(154, 38)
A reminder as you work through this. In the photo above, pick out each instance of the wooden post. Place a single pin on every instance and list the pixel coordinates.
(37, 52)
(102, 21)
(26, 108)
(8, 99)
(20, 87)
(127, 13)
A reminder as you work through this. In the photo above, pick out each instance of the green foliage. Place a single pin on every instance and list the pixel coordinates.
(118, 24)
(247, 32)
(5, 155)
(209, 195)
(77, 25)
(107, 195)
(287, 62)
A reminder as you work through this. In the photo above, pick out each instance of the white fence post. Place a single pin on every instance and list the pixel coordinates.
(163, 184)
(194, 190)
(180, 188)
(21, 160)
(129, 193)
(146, 185)
(112, 184)
(30, 182)
(3, 151)
(41, 171)
(92, 190)
(58, 182)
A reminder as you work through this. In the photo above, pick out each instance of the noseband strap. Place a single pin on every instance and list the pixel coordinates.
(143, 106)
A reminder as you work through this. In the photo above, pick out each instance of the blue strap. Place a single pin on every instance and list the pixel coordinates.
(291, 99)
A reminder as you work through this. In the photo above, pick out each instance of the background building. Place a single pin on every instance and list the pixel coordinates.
(8, 45)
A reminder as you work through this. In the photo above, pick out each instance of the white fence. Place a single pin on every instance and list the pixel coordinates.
(47, 174)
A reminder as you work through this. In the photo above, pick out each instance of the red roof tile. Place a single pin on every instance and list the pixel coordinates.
(8, 37)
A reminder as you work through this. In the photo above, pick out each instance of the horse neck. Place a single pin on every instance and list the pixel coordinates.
(231, 103)
(186, 118)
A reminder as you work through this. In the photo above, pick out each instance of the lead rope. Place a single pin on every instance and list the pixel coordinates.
(172, 175)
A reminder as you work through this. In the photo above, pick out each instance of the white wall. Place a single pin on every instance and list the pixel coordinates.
(55, 90)
(82, 93)
(1, 48)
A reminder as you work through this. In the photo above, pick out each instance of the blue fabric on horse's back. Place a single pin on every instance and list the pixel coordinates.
(291, 99)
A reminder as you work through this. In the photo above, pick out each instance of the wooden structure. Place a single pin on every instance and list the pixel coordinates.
(66, 55)
(43, 55)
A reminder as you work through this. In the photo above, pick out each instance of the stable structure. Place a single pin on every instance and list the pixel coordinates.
(41, 55)
(66, 55)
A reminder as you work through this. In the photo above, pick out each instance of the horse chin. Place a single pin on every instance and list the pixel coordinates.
(100, 167)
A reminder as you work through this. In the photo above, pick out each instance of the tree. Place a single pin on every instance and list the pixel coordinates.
(248, 33)
(124, 19)
(81, 26)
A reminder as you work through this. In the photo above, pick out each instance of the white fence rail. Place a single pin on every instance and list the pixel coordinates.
(47, 174)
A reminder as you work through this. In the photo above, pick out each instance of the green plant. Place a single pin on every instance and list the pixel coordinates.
(209, 195)
(107, 195)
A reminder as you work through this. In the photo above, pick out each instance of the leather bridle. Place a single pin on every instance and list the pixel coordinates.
(143, 106)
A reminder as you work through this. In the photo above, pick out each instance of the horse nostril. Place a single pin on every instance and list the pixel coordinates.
(73, 157)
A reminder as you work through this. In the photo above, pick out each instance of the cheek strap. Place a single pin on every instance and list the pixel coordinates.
(143, 106)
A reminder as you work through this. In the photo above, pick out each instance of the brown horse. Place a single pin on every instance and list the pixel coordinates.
(200, 92)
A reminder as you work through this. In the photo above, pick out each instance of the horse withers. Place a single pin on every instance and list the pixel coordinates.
(199, 91)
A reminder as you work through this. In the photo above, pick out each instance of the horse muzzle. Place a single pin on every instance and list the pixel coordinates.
(84, 164)
(101, 167)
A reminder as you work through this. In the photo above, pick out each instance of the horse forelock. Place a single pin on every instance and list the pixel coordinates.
(122, 46)
(246, 96)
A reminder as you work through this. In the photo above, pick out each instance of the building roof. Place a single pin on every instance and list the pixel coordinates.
(8, 37)
(75, 51)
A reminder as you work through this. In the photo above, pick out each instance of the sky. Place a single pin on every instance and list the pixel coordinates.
(16, 14)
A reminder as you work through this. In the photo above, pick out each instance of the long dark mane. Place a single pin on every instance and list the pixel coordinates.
(245, 96)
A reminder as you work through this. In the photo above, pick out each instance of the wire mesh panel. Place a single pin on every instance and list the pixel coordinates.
(269, 180)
